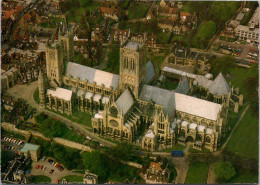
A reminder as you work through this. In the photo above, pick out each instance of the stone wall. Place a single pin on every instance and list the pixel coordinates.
(11, 128)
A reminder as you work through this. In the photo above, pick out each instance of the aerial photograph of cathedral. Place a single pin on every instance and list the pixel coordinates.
(129, 92)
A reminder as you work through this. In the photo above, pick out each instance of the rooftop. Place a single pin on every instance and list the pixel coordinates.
(29, 147)
(133, 45)
(125, 101)
(60, 93)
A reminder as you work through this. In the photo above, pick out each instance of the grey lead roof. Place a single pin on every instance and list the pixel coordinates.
(92, 75)
(219, 86)
(133, 45)
(125, 101)
(150, 72)
(159, 96)
(183, 86)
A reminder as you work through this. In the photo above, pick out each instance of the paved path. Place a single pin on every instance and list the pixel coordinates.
(211, 176)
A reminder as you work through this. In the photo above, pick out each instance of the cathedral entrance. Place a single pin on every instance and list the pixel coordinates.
(189, 139)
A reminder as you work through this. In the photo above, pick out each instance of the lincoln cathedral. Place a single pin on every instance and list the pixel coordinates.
(126, 108)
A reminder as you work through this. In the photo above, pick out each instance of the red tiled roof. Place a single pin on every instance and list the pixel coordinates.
(155, 165)
(185, 14)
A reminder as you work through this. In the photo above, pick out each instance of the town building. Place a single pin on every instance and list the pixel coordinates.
(90, 178)
(30, 150)
(155, 174)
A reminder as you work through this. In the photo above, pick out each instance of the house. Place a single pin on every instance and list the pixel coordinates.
(166, 24)
(155, 174)
(112, 13)
(30, 150)
(184, 16)
(90, 178)
(121, 35)
(167, 11)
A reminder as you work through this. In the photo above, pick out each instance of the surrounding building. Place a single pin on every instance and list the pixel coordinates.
(30, 150)
(90, 178)
(155, 174)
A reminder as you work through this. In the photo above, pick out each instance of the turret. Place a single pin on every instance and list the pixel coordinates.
(41, 89)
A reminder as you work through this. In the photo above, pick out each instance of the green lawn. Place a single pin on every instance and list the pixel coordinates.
(77, 116)
(177, 147)
(73, 178)
(157, 60)
(245, 139)
(138, 10)
(245, 176)
(39, 179)
(36, 96)
(197, 173)
(170, 84)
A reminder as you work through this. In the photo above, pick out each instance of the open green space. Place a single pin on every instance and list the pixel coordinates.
(170, 84)
(77, 116)
(245, 139)
(203, 150)
(197, 173)
(138, 10)
(36, 96)
(205, 32)
(244, 176)
(50, 127)
(73, 178)
(157, 60)
(39, 179)
(177, 147)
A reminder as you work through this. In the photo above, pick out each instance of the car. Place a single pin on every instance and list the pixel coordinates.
(11, 140)
(60, 168)
(50, 161)
(5, 138)
(44, 168)
(4, 146)
(9, 147)
(55, 164)
(44, 158)
(41, 167)
(12, 148)
(14, 141)
(37, 166)
(51, 171)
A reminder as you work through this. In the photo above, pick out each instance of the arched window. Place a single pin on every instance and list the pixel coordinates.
(208, 139)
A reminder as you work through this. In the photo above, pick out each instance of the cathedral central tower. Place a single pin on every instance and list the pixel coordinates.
(132, 66)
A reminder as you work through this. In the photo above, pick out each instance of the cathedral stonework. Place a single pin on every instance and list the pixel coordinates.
(125, 106)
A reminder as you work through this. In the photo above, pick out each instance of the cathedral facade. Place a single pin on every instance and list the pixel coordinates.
(125, 107)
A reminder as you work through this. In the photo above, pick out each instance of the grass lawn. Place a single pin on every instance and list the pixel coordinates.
(170, 84)
(77, 116)
(73, 178)
(39, 179)
(36, 96)
(138, 10)
(245, 139)
(177, 147)
(197, 173)
(245, 176)
(157, 60)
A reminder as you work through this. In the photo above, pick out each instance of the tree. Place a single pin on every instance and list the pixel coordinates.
(52, 128)
(95, 162)
(222, 64)
(224, 170)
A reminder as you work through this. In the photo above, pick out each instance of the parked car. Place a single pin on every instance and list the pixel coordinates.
(51, 172)
(37, 166)
(55, 164)
(12, 148)
(44, 168)
(50, 161)
(44, 158)
(4, 146)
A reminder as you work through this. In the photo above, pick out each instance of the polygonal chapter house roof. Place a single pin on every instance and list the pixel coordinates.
(125, 101)
(92, 75)
(219, 86)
